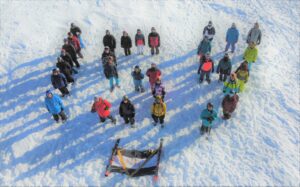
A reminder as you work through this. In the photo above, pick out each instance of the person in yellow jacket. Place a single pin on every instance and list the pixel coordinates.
(242, 74)
(158, 111)
(250, 54)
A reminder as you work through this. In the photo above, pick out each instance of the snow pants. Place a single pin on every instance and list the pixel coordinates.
(62, 115)
(158, 118)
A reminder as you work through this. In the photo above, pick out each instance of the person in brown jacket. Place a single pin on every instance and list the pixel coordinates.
(229, 104)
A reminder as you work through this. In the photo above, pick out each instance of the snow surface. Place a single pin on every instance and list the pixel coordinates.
(258, 146)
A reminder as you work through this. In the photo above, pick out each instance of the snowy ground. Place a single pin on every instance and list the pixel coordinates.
(258, 146)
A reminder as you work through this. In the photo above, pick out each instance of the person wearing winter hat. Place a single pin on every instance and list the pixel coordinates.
(75, 30)
(110, 41)
(59, 81)
(231, 86)
(205, 68)
(232, 37)
(204, 47)
(159, 89)
(138, 77)
(127, 111)
(102, 107)
(229, 104)
(126, 43)
(140, 42)
(224, 68)
(254, 35)
(242, 74)
(75, 42)
(153, 73)
(158, 111)
(55, 106)
(209, 31)
(208, 116)
(154, 41)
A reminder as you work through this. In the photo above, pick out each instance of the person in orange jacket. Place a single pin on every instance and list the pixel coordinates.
(206, 66)
(102, 107)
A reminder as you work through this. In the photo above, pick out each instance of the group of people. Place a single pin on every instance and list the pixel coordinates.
(234, 82)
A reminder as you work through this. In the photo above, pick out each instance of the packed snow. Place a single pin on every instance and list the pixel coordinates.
(259, 145)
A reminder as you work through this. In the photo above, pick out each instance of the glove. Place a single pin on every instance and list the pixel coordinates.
(224, 91)
(253, 61)
(106, 108)
(210, 119)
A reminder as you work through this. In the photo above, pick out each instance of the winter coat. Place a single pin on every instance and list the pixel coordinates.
(250, 54)
(74, 30)
(126, 109)
(64, 67)
(206, 66)
(75, 42)
(126, 42)
(137, 75)
(232, 35)
(242, 75)
(229, 103)
(224, 66)
(153, 74)
(59, 81)
(71, 50)
(204, 47)
(110, 41)
(67, 58)
(254, 35)
(209, 32)
(139, 39)
(159, 90)
(153, 39)
(208, 117)
(231, 87)
(54, 105)
(102, 107)
(106, 55)
(159, 109)
(110, 70)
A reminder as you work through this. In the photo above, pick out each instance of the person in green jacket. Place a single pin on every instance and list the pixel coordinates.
(242, 74)
(208, 115)
(250, 54)
(231, 86)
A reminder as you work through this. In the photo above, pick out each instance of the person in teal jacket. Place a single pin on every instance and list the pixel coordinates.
(208, 115)
(204, 47)
(55, 106)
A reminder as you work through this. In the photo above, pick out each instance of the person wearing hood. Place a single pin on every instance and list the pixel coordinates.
(224, 68)
(138, 77)
(209, 31)
(127, 111)
(254, 35)
(55, 106)
(111, 73)
(140, 42)
(153, 73)
(232, 37)
(159, 89)
(65, 68)
(204, 47)
(208, 116)
(59, 81)
(231, 86)
(102, 107)
(206, 67)
(110, 41)
(154, 41)
(158, 111)
(126, 43)
(229, 104)
(76, 31)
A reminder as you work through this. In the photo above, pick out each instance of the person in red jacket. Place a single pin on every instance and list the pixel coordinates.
(154, 41)
(75, 42)
(229, 104)
(102, 107)
(153, 73)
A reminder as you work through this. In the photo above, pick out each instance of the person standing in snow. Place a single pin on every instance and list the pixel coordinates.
(55, 106)
(102, 107)
(71, 50)
(138, 77)
(231, 86)
(206, 67)
(73, 40)
(140, 42)
(254, 35)
(204, 47)
(65, 68)
(208, 116)
(229, 104)
(242, 74)
(250, 54)
(158, 110)
(59, 81)
(159, 89)
(111, 73)
(106, 54)
(126, 43)
(209, 31)
(127, 111)
(110, 41)
(224, 68)
(153, 73)
(232, 37)
(154, 41)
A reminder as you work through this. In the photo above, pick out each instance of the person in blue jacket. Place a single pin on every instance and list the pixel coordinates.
(232, 37)
(208, 115)
(55, 106)
(138, 77)
(204, 47)
(59, 81)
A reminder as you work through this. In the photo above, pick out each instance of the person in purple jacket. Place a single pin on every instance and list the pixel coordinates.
(159, 89)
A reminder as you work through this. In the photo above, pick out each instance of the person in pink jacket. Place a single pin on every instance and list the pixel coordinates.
(154, 41)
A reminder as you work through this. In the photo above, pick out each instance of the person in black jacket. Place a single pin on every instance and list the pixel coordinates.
(127, 111)
(154, 41)
(126, 43)
(65, 68)
(111, 73)
(106, 54)
(59, 81)
(209, 31)
(71, 50)
(75, 30)
(110, 41)
(224, 68)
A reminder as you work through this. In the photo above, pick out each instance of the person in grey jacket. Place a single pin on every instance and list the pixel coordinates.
(254, 35)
